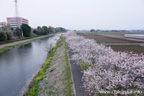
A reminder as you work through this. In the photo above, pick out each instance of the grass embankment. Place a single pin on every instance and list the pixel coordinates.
(54, 79)
(13, 46)
(22, 38)
(68, 73)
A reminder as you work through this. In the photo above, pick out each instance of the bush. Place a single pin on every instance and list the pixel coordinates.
(40, 31)
(26, 30)
(9, 35)
(36, 32)
(18, 32)
(3, 36)
(45, 29)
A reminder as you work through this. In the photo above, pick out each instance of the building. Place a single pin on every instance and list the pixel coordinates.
(16, 21)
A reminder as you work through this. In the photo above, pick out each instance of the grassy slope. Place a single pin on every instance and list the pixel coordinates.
(54, 79)
(22, 38)
(13, 46)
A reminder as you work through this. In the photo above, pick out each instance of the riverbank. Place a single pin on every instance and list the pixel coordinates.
(54, 79)
(7, 46)
(19, 39)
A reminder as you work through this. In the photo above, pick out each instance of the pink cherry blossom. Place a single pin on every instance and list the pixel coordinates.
(109, 70)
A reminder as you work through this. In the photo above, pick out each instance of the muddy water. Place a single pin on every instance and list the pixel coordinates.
(18, 65)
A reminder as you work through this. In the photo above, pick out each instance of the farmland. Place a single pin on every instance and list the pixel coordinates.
(117, 41)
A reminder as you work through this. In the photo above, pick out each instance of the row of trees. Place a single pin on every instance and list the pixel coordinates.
(108, 70)
(99, 30)
(8, 33)
(44, 30)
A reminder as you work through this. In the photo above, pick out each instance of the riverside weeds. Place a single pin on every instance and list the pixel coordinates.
(33, 88)
(69, 81)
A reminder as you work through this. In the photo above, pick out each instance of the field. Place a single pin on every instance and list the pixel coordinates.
(117, 41)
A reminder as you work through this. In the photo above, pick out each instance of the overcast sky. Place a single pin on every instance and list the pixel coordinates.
(78, 14)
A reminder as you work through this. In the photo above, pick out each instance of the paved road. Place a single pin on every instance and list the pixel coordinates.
(77, 76)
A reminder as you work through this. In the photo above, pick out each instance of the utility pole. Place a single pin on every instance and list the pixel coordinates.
(17, 14)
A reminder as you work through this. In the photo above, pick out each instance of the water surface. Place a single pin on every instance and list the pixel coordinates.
(18, 65)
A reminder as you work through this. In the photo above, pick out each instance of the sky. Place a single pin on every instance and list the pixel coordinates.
(78, 14)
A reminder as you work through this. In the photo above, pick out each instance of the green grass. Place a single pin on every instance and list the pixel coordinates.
(33, 88)
(33, 35)
(46, 82)
(52, 70)
(13, 46)
(84, 66)
(69, 82)
(22, 38)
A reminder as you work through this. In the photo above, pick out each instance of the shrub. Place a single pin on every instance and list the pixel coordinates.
(36, 32)
(3, 36)
(40, 31)
(26, 30)
(18, 32)
(9, 35)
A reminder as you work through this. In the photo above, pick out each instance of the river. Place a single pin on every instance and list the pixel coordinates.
(20, 64)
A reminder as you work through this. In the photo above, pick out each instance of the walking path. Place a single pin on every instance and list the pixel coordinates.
(18, 42)
(77, 76)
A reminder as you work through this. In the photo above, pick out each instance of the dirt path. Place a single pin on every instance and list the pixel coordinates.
(18, 42)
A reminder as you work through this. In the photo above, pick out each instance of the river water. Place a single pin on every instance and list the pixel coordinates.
(20, 64)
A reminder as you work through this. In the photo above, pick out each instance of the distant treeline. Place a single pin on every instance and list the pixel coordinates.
(99, 30)
(8, 33)
(44, 30)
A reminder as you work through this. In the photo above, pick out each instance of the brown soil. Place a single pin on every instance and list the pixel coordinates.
(128, 48)
(111, 38)
(117, 41)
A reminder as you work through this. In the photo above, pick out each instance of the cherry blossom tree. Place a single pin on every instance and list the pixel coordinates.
(109, 70)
